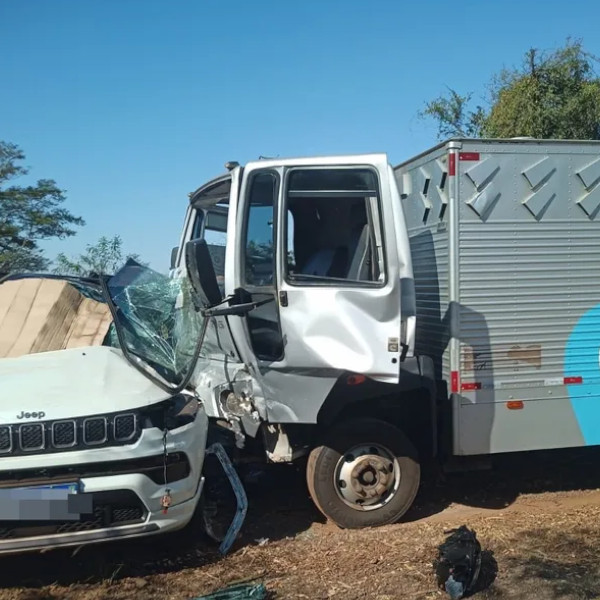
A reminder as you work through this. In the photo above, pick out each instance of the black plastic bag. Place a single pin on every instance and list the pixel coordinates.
(459, 562)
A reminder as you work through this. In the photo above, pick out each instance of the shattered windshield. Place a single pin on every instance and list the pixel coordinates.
(156, 322)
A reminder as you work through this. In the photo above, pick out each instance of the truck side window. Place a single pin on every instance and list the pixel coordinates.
(211, 225)
(260, 257)
(336, 232)
(259, 265)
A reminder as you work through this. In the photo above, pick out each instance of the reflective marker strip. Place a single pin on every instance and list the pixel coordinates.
(469, 387)
(563, 380)
(515, 404)
(454, 382)
(468, 156)
(452, 164)
(472, 386)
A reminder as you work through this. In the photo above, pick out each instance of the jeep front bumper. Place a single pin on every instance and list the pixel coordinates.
(126, 484)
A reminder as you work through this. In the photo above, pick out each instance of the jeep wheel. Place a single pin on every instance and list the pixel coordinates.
(365, 473)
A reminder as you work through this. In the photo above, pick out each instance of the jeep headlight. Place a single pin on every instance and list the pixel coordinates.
(173, 413)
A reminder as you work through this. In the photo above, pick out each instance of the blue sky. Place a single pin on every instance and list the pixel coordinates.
(131, 104)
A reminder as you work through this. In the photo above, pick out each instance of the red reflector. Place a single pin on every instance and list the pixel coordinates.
(469, 387)
(569, 380)
(356, 379)
(515, 405)
(452, 165)
(468, 156)
(454, 382)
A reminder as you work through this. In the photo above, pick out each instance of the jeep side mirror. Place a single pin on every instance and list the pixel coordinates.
(202, 273)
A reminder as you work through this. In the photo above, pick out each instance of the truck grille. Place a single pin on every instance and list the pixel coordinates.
(111, 509)
(70, 434)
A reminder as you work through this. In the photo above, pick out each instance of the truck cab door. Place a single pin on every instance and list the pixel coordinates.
(317, 243)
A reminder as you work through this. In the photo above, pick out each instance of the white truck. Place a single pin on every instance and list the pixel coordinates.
(333, 310)
(370, 317)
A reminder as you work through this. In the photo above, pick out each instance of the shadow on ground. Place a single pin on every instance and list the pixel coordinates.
(510, 476)
(550, 563)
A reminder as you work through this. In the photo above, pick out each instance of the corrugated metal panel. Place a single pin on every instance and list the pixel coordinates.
(519, 305)
(529, 264)
(528, 291)
(424, 189)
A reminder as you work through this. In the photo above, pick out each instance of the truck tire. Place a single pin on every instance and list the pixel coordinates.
(365, 473)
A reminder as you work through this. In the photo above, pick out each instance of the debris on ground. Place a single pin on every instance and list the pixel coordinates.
(459, 562)
(241, 591)
(540, 538)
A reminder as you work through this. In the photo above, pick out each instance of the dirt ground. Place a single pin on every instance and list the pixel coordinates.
(537, 517)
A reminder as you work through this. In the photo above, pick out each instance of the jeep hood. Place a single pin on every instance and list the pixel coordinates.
(73, 383)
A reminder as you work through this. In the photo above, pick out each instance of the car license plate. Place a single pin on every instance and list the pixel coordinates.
(51, 502)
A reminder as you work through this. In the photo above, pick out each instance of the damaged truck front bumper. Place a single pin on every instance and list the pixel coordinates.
(124, 488)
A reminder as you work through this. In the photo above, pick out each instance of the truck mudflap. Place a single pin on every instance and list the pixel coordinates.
(235, 527)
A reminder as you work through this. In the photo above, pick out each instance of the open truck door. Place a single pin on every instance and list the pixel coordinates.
(312, 246)
(318, 240)
(316, 249)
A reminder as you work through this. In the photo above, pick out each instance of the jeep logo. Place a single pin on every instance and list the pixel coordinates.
(32, 415)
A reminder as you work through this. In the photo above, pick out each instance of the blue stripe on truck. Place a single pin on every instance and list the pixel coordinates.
(582, 358)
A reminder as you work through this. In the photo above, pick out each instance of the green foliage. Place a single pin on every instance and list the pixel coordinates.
(453, 115)
(28, 214)
(552, 95)
(104, 257)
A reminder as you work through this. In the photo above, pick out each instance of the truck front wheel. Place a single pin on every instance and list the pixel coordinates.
(365, 473)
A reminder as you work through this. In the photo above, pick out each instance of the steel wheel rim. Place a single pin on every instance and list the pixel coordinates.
(367, 476)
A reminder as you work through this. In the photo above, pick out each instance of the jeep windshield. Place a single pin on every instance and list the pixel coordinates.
(155, 323)
(153, 319)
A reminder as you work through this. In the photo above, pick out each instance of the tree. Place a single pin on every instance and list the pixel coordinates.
(553, 95)
(102, 258)
(28, 215)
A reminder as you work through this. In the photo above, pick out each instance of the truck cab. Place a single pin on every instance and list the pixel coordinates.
(303, 271)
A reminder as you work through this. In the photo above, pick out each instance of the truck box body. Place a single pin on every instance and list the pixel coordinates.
(505, 243)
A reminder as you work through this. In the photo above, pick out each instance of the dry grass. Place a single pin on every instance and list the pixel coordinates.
(546, 544)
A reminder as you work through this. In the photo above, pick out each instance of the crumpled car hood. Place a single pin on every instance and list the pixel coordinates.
(72, 383)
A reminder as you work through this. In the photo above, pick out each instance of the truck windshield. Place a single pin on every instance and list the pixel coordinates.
(156, 323)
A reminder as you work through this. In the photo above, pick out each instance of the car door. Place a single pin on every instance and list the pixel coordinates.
(317, 244)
